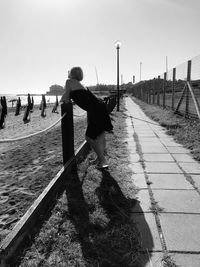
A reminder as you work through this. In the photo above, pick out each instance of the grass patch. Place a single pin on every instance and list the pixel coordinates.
(92, 224)
(184, 131)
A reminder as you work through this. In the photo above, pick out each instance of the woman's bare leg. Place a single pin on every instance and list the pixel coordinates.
(98, 146)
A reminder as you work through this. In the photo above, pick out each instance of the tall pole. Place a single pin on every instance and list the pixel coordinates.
(140, 71)
(96, 75)
(117, 78)
(122, 79)
(166, 67)
(117, 45)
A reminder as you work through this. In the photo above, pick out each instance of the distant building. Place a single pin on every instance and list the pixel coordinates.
(55, 90)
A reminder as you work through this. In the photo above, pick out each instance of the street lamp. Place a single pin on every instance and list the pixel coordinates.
(118, 45)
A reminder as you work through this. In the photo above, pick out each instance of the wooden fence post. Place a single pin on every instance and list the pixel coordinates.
(154, 88)
(67, 128)
(149, 92)
(173, 87)
(145, 92)
(158, 91)
(164, 88)
(187, 89)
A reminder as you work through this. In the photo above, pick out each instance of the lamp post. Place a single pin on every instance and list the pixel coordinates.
(117, 45)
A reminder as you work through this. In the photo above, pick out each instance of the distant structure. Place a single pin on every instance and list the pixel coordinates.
(55, 90)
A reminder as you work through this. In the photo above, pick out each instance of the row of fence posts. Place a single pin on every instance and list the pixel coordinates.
(28, 108)
(67, 126)
(151, 91)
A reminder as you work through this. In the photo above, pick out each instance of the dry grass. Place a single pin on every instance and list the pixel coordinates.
(91, 224)
(185, 131)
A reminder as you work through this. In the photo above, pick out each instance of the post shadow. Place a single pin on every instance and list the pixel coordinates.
(78, 213)
(120, 209)
(119, 242)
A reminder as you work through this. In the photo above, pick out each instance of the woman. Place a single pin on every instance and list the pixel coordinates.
(98, 117)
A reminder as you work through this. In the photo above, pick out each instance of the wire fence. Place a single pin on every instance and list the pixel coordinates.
(178, 89)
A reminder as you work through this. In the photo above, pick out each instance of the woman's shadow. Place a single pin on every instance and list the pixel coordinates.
(119, 242)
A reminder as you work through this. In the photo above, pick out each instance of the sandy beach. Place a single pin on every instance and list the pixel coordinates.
(27, 166)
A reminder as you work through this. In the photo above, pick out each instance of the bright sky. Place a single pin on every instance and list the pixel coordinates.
(40, 40)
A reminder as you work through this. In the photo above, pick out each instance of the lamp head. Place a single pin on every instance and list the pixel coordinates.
(118, 44)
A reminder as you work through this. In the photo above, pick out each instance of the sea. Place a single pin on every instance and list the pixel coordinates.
(37, 99)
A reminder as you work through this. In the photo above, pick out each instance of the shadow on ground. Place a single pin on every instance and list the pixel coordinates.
(119, 242)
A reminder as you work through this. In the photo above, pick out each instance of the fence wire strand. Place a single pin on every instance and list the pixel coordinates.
(34, 134)
(169, 92)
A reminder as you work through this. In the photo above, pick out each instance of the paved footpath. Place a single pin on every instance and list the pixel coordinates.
(168, 179)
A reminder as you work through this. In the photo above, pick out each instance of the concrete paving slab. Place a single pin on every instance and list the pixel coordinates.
(190, 167)
(158, 128)
(162, 167)
(170, 143)
(150, 259)
(147, 139)
(178, 149)
(136, 167)
(153, 143)
(144, 130)
(139, 180)
(144, 204)
(161, 134)
(186, 201)
(181, 231)
(183, 158)
(142, 127)
(148, 230)
(186, 260)
(153, 149)
(167, 138)
(196, 179)
(145, 134)
(169, 181)
(133, 157)
(158, 157)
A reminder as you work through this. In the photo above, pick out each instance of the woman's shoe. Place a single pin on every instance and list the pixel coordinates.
(102, 166)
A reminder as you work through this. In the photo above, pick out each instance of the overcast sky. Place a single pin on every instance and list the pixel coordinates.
(40, 40)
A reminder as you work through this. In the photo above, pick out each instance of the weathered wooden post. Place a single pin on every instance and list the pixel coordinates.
(173, 87)
(158, 91)
(146, 92)
(67, 128)
(154, 87)
(142, 92)
(187, 89)
(164, 88)
(149, 92)
(149, 82)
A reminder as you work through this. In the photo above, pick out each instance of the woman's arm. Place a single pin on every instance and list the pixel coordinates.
(66, 96)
